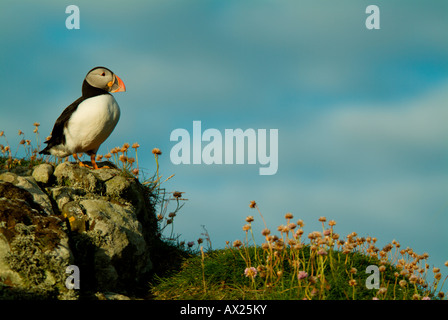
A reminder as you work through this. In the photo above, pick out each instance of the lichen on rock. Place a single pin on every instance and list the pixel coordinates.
(51, 218)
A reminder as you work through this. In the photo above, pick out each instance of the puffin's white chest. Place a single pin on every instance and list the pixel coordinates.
(91, 124)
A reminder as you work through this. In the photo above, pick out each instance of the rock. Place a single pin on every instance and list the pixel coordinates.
(98, 220)
(111, 296)
(125, 189)
(29, 184)
(120, 246)
(117, 186)
(33, 248)
(63, 195)
(71, 175)
(13, 195)
(43, 173)
(75, 216)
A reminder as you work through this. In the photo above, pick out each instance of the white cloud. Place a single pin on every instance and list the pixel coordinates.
(362, 135)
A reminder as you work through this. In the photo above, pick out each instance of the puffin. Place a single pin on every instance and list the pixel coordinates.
(86, 123)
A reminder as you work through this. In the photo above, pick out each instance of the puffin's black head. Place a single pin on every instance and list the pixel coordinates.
(105, 79)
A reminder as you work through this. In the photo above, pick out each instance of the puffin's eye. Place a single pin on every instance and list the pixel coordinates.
(103, 74)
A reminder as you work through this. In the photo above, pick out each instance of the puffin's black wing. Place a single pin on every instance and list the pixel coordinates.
(57, 134)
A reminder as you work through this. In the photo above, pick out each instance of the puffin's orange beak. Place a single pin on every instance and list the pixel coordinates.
(117, 85)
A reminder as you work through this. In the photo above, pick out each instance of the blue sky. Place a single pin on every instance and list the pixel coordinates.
(362, 114)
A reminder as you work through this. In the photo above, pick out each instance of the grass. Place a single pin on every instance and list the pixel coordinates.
(289, 265)
(286, 267)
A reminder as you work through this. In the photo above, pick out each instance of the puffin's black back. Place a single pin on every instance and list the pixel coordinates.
(57, 134)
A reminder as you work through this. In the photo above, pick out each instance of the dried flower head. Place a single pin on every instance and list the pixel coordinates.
(135, 145)
(302, 275)
(382, 290)
(314, 235)
(322, 252)
(413, 278)
(312, 279)
(250, 272)
(177, 194)
(246, 227)
(266, 232)
(172, 214)
(249, 219)
(252, 204)
(156, 151)
(123, 158)
(322, 219)
(237, 243)
(352, 283)
(289, 215)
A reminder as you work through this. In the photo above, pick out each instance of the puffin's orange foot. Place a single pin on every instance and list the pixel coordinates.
(95, 166)
(84, 165)
(92, 159)
(80, 162)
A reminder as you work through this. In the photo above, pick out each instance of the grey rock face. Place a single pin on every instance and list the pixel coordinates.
(43, 173)
(99, 220)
